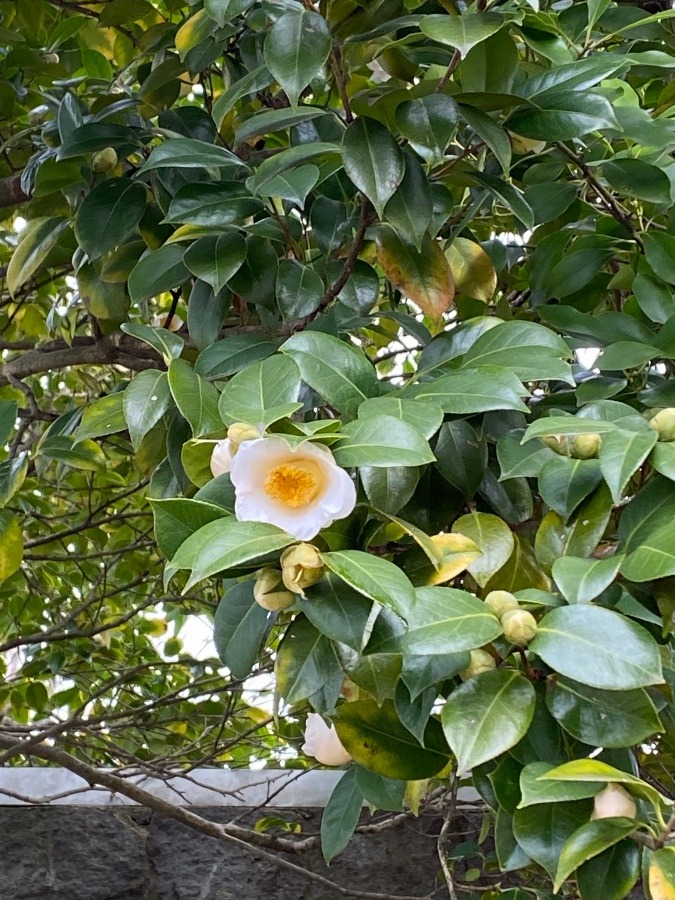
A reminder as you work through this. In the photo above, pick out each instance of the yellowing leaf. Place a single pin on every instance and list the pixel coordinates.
(11, 545)
(455, 553)
(472, 269)
(424, 277)
(662, 874)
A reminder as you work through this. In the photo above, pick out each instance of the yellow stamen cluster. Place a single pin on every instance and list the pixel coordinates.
(294, 484)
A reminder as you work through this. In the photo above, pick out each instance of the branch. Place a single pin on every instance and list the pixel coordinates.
(11, 193)
(83, 352)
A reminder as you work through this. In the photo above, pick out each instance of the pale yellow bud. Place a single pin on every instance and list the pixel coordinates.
(614, 801)
(664, 423)
(242, 431)
(301, 567)
(586, 446)
(104, 160)
(481, 661)
(522, 145)
(266, 591)
(160, 321)
(558, 443)
(519, 626)
(501, 602)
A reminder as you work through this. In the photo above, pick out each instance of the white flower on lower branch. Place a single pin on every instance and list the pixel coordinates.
(323, 743)
(301, 490)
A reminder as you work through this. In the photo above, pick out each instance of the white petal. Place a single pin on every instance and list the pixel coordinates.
(221, 458)
(323, 743)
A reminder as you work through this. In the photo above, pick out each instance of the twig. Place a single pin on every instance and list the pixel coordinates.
(443, 838)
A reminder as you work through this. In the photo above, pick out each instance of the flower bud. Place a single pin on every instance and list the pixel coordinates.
(501, 602)
(221, 458)
(301, 567)
(322, 742)
(160, 320)
(586, 446)
(481, 661)
(664, 423)
(522, 145)
(266, 591)
(242, 431)
(104, 160)
(519, 626)
(558, 443)
(613, 801)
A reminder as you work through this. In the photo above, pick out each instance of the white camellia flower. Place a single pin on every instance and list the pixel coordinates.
(614, 801)
(323, 743)
(301, 490)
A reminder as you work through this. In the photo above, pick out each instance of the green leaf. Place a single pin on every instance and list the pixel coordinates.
(425, 417)
(212, 205)
(256, 80)
(377, 674)
(564, 482)
(156, 272)
(656, 299)
(421, 671)
(598, 647)
(93, 136)
(294, 186)
(188, 153)
(262, 392)
(337, 371)
(372, 160)
(508, 195)
(428, 124)
(104, 416)
(599, 772)
(621, 455)
(582, 580)
(410, 208)
(518, 460)
(445, 620)
(523, 347)
(37, 239)
(223, 11)
(296, 47)
(566, 425)
(216, 258)
(165, 342)
(487, 715)
(542, 830)
(240, 626)
(11, 545)
(602, 718)
(8, 413)
(461, 456)
(637, 178)
(379, 791)
(462, 31)
(109, 214)
(660, 254)
(305, 663)
(146, 399)
(220, 546)
(176, 519)
(489, 131)
(236, 352)
(650, 509)
(388, 489)
(588, 841)
(12, 476)
(653, 558)
(563, 116)
(338, 611)
(341, 815)
(472, 391)
(84, 455)
(195, 397)
(493, 537)
(378, 741)
(299, 289)
(374, 577)
(535, 792)
(611, 874)
(381, 441)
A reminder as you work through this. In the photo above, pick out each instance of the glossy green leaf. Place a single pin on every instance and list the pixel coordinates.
(535, 792)
(158, 271)
(381, 441)
(462, 31)
(338, 611)
(36, 241)
(426, 417)
(195, 397)
(372, 160)
(216, 258)
(299, 289)
(543, 830)
(588, 841)
(261, 393)
(166, 343)
(104, 416)
(146, 399)
(563, 116)
(495, 540)
(109, 214)
(305, 661)
(296, 47)
(444, 620)
(660, 254)
(582, 580)
(428, 123)
(487, 715)
(341, 815)
(611, 874)
(240, 625)
(188, 153)
(598, 648)
(472, 391)
(564, 482)
(374, 577)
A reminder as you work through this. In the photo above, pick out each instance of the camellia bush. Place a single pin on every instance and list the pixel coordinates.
(349, 327)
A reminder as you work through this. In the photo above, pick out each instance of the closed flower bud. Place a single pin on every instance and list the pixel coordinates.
(501, 602)
(519, 626)
(481, 661)
(586, 446)
(558, 443)
(104, 160)
(614, 801)
(221, 458)
(269, 592)
(301, 567)
(664, 423)
(322, 742)
(242, 431)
